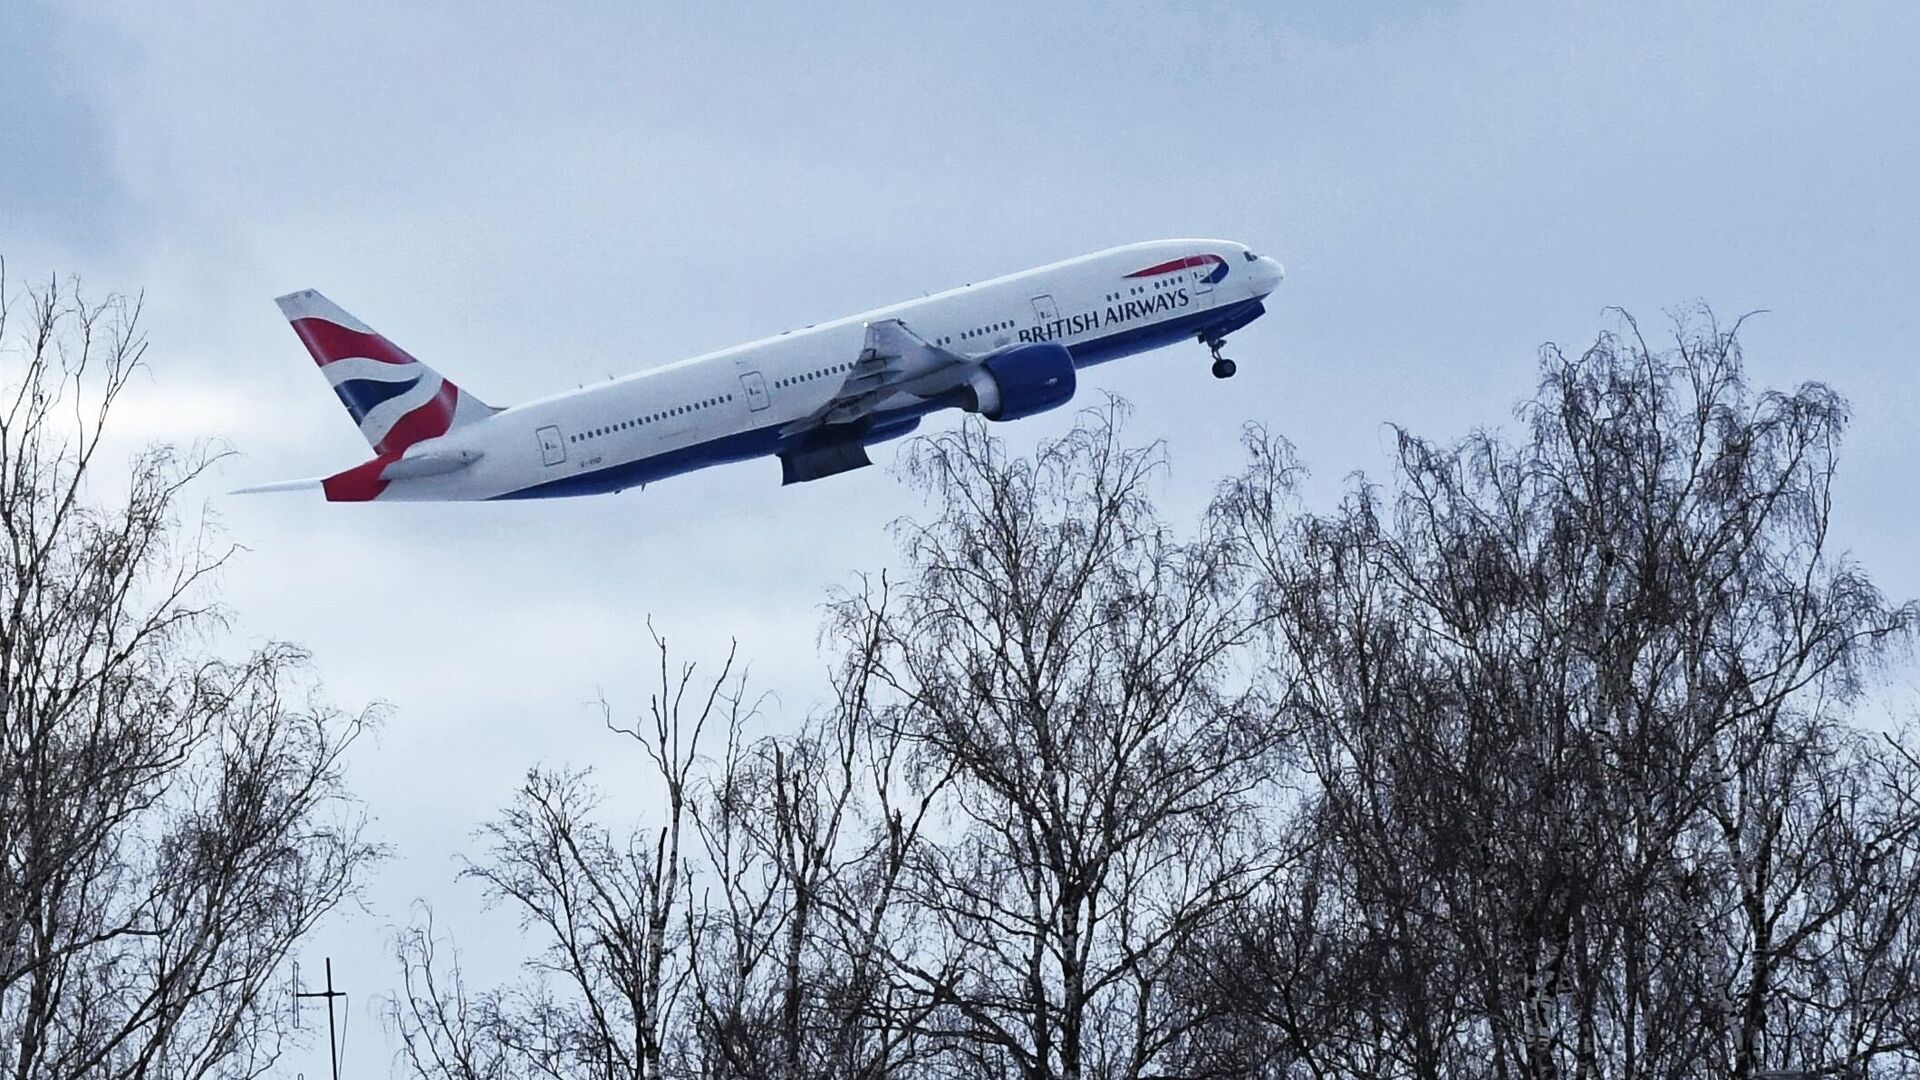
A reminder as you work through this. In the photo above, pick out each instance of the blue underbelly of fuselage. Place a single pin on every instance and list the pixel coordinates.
(766, 441)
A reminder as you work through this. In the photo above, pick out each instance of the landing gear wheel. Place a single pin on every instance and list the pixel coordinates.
(1223, 368)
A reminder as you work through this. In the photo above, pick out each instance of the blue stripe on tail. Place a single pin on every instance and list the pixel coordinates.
(361, 395)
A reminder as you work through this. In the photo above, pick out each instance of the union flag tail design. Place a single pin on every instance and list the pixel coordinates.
(396, 400)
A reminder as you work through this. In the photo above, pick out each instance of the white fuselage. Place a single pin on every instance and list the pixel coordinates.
(734, 403)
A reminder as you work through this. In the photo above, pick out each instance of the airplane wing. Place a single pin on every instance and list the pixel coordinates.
(893, 360)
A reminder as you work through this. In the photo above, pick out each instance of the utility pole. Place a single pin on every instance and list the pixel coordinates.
(333, 1052)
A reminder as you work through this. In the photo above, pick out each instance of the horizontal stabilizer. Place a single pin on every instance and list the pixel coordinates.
(308, 484)
(366, 481)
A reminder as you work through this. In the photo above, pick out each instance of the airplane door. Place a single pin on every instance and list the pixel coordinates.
(1044, 309)
(553, 448)
(1201, 277)
(754, 385)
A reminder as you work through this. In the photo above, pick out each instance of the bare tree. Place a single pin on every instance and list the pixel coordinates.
(447, 1030)
(170, 823)
(1070, 662)
(807, 836)
(607, 985)
(1579, 713)
(761, 953)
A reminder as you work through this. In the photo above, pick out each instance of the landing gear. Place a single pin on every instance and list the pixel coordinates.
(1223, 368)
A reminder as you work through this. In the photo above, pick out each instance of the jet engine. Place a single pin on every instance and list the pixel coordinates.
(1021, 380)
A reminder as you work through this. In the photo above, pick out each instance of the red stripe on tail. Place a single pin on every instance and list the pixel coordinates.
(429, 421)
(361, 483)
(329, 341)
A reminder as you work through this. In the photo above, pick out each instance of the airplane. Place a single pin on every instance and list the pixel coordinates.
(815, 398)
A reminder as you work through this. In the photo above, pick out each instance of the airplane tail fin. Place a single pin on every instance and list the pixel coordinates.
(396, 400)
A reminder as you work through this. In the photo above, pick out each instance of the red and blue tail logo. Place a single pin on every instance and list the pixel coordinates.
(396, 400)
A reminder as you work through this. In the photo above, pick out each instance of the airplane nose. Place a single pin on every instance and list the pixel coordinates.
(1271, 273)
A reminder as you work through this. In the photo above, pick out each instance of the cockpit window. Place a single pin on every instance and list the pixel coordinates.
(1251, 257)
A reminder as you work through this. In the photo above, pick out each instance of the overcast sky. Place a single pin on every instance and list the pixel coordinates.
(529, 202)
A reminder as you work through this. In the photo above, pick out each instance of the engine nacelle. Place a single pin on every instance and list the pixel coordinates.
(1022, 380)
